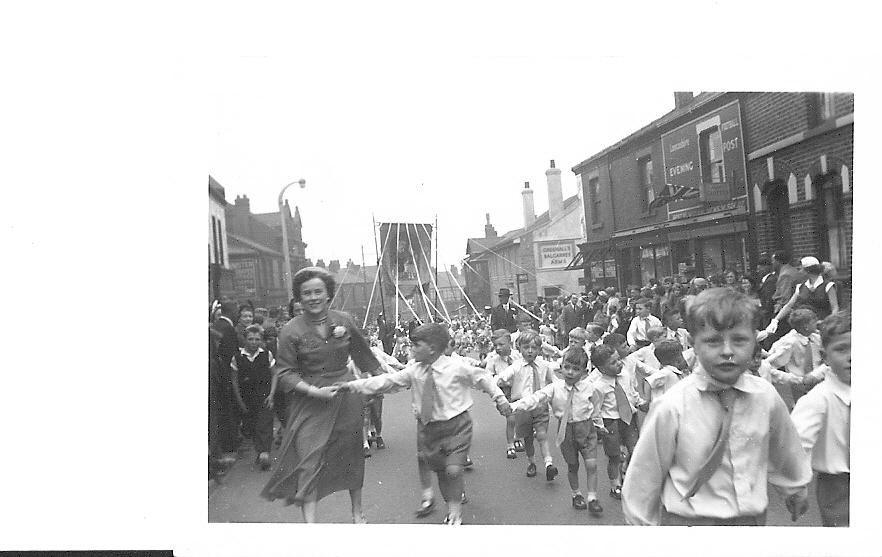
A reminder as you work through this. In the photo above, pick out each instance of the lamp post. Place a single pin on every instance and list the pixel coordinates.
(289, 282)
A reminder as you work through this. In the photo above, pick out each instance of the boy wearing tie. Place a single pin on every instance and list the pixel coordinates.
(576, 405)
(440, 402)
(798, 351)
(715, 440)
(527, 376)
(619, 403)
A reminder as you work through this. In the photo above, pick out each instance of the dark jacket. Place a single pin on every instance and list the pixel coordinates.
(501, 319)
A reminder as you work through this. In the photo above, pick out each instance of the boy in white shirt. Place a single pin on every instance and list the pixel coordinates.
(823, 420)
(576, 405)
(669, 354)
(440, 402)
(526, 377)
(713, 443)
(496, 362)
(798, 351)
(674, 330)
(641, 323)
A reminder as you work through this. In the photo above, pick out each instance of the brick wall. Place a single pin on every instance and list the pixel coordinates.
(770, 117)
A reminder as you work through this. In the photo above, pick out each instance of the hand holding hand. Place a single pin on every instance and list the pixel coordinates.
(504, 407)
(602, 431)
(325, 393)
(773, 326)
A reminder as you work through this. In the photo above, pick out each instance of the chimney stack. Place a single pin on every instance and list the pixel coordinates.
(489, 230)
(555, 194)
(529, 211)
(682, 98)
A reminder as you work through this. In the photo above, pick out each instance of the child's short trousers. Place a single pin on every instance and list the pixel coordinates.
(579, 436)
(440, 444)
(526, 422)
(620, 433)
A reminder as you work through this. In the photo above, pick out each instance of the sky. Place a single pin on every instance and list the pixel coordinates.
(404, 142)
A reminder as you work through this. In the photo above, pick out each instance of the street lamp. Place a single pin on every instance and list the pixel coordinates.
(289, 281)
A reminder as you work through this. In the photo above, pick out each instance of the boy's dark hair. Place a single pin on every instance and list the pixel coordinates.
(781, 257)
(595, 329)
(576, 357)
(668, 352)
(433, 334)
(529, 337)
(834, 325)
(614, 339)
(500, 333)
(802, 316)
(720, 309)
(643, 302)
(258, 319)
(668, 313)
(254, 329)
(601, 354)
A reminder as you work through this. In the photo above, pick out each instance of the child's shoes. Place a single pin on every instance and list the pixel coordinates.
(531, 470)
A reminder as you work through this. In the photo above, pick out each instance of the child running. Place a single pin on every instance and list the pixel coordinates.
(715, 440)
(576, 405)
(823, 420)
(440, 402)
(254, 386)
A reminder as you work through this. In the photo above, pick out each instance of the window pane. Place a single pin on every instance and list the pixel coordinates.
(647, 265)
(712, 257)
(662, 261)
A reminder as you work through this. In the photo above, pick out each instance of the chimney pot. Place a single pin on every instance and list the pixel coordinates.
(526, 185)
(552, 163)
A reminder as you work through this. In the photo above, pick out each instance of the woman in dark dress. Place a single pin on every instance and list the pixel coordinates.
(817, 293)
(321, 452)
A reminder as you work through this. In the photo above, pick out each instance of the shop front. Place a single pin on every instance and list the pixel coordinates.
(708, 250)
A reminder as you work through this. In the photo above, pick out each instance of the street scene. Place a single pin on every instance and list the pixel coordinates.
(657, 331)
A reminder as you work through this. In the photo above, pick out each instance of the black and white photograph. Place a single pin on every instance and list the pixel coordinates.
(543, 274)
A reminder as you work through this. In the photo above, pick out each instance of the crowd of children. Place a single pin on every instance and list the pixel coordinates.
(694, 421)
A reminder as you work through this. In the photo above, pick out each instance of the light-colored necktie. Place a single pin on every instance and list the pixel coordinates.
(727, 401)
(536, 385)
(428, 402)
(622, 404)
(568, 412)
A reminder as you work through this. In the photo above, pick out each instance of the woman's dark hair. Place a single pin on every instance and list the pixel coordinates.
(309, 273)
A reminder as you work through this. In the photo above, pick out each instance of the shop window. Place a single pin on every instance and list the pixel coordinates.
(551, 291)
(711, 143)
(594, 193)
(644, 167)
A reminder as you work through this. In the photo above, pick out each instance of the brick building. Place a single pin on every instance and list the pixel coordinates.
(255, 253)
(220, 274)
(719, 180)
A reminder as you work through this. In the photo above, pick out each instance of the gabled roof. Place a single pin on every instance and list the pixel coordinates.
(249, 246)
(269, 219)
(653, 127)
(216, 190)
(479, 247)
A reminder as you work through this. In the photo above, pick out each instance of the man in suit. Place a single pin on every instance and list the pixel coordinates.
(571, 315)
(767, 286)
(503, 315)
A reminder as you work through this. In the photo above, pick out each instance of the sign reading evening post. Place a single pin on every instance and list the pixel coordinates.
(682, 148)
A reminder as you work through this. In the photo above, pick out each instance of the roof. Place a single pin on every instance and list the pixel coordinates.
(216, 190)
(250, 244)
(483, 245)
(655, 126)
(269, 219)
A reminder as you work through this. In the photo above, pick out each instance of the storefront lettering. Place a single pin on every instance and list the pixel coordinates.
(680, 145)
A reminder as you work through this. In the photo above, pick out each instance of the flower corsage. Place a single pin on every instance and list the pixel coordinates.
(339, 331)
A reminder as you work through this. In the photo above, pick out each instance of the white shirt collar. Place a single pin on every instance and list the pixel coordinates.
(249, 355)
(813, 285)
(840, 389)
(227, 319)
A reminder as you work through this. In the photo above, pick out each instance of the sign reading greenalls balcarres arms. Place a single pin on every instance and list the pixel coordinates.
(706, 154)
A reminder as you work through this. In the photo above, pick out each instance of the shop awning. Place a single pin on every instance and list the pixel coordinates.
(577, 262)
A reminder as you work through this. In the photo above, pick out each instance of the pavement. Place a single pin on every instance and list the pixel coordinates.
(498, 490)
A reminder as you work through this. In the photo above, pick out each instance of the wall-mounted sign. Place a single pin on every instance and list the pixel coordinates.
(706, 156)
(244, 277)
(556, 255)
